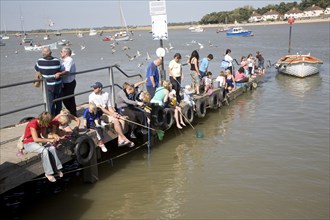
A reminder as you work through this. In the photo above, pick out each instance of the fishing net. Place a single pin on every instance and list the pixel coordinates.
(199, 134)
(160, 134)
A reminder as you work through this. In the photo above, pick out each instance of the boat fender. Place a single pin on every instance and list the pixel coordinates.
(157, 115)
(188, 112)
(84, 149)
(201, 108)
(214, 101)
(169, 118)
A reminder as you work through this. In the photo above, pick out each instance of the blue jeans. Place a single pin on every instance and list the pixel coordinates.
(54, 92)
(45, 152)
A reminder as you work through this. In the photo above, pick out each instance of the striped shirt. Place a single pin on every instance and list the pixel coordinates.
(48, 67)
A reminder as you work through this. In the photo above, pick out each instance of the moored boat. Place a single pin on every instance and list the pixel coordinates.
(197, 29)
(2, 43)
(92, 32)
(298, 65)
(52, 46)
(239, 32)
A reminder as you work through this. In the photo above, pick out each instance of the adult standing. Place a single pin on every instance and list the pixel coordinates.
(176, 75)
(153, 76)
(204, 65)
(229, 59)
(49, 66)
(194, 71)
(69, 81)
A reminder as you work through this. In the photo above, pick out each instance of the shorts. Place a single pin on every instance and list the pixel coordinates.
(195, 78)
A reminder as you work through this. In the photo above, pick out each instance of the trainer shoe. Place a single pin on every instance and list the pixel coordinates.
(102, 146)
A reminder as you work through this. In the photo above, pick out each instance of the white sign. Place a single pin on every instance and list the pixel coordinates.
(159, 27)
(160, 52)
(157, 8)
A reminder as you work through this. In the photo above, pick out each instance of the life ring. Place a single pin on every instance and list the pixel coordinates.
(84, 149)
(201, 108)
(188, 112)
(157, 116)
(169, 118)
(214, 101)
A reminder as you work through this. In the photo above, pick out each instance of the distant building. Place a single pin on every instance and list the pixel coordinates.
(271, 15)
(313, 11)
(294, 13)
(255, 17)
(327, 11)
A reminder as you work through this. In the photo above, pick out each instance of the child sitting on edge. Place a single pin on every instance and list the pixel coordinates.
(64, 119)
(92, 121)
(208, 83)
(188, 96)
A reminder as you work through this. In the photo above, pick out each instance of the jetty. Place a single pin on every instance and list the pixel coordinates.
(18, 169)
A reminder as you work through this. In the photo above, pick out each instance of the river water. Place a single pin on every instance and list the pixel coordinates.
(265, 156)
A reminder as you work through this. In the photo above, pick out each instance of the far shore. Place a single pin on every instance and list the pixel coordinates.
(175, 27)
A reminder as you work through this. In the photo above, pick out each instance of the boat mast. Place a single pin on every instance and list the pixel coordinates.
(290, 21)
(122, 18)
(22, 20)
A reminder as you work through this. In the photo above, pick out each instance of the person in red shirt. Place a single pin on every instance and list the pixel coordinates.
(240, 76)
(36, 140)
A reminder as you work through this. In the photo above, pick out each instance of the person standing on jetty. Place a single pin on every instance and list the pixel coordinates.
(153, 76)
(176, 75)
(194, 71)
(230, 60)
(204, 65)
(34, 137)
(50, 68)
(102, 102)
(68, 78)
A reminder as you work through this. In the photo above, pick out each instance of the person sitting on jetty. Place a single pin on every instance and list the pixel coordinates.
(64, 119)
(240, 76)
(172, 103)
(188, 96)
(102, 101)
(221, 79)
(208, 83)
(230, 81)
(244, 64)
(35, 140)
(92, 120)
(162, 94)
(128, 108)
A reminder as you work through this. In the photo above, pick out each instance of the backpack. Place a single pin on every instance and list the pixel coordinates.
(224, 64)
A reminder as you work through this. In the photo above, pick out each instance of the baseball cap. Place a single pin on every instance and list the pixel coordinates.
(97, 85)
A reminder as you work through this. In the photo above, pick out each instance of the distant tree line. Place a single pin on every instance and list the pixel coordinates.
(242, 15)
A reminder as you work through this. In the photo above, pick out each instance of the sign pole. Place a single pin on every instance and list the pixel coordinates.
(290, 21)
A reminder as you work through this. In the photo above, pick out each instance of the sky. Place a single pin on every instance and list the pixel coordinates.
(95, 14)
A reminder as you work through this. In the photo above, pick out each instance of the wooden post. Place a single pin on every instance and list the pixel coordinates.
(290, 21)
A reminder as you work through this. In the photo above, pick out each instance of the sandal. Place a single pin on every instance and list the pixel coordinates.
(50, 178)
(60, 174)
(131, 144)
(123, 143)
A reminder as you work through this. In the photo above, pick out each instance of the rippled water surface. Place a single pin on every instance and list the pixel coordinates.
(265, 156)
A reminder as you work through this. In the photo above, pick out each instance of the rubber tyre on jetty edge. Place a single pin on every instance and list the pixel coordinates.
(201, 108)
(188, 112)
(169, 118)
(84, 149)
(157, 116)
(25, 119)
(214, 101)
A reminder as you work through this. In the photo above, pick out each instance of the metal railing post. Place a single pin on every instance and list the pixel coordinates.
(112, 88)
(45, 96)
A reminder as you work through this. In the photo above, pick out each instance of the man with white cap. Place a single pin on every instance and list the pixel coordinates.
(102, 102)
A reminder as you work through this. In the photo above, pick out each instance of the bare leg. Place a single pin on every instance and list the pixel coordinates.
(180, 115)
(176, 116)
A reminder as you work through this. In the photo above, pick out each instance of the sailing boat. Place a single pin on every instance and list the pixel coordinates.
(122, 35)
(50, 24)
(5, 36)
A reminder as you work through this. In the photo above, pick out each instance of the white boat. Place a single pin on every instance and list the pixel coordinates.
(52, 46)
(46, 37)
(197, 29)
(63, 42)
(80, 34)
(4, 37)
(92, 32)
(239, 32)
(58, 33)
(26, 40)
(298, 65)
(122, 35)
(2, 43)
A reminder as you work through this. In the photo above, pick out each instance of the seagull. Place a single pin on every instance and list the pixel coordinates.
(167, 51)
(210, 44)
(113, 51)
(138, 53)
(148, 57)
(101, 58)
(125, 48)
(82, 47)
(130, 58)
(73, 53)
(140, 64)
(170, 45)
(187, 56)
(201, 46)
(16, 51)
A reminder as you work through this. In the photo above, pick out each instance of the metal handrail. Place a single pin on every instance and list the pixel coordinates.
(45, 102)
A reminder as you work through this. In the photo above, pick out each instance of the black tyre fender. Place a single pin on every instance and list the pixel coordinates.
(84, 149)
(25, 119)
(188, 112)
(214, 100)
(157, 116)
(169, 118)
(201, 108)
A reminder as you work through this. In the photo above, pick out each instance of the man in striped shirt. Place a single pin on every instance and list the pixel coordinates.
(48, 66)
